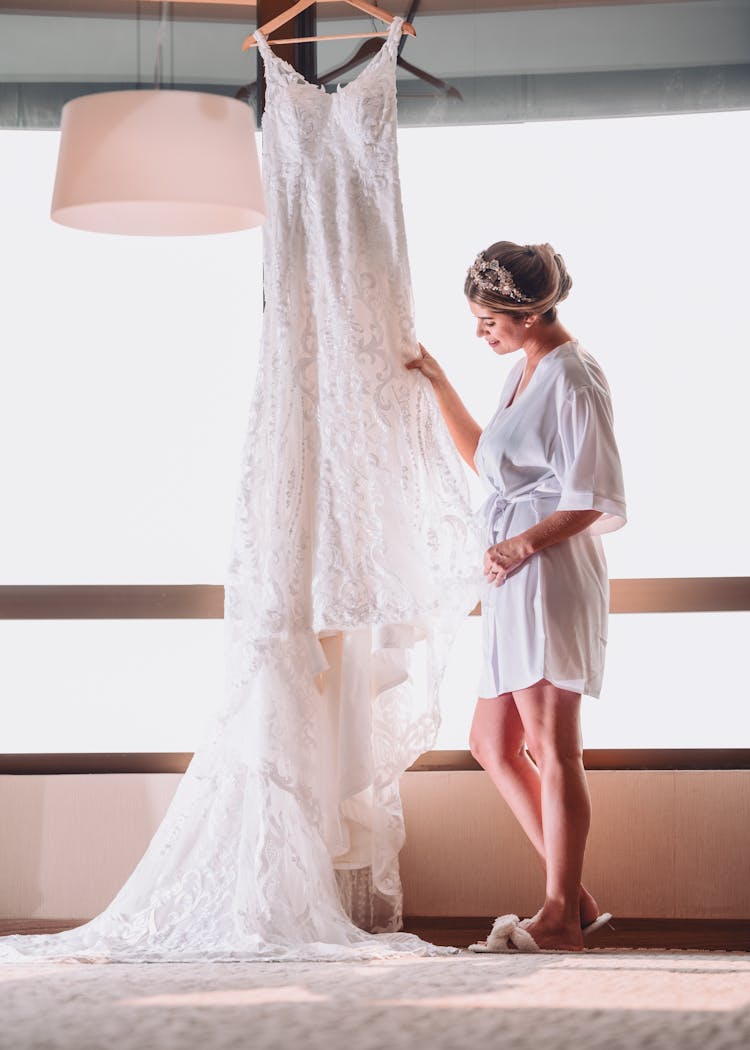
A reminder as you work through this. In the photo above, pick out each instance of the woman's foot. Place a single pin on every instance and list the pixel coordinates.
(589, 909)
(552, 929)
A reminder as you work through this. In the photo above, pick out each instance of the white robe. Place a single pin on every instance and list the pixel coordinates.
(553, 449)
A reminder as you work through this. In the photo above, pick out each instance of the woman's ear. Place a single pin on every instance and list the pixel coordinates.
(530, 320)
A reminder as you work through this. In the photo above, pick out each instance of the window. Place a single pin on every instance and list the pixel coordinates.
(128, 366)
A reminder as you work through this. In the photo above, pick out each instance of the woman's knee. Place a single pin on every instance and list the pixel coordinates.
(550, 752)
(498, 750)
(496, 735)
(478, 748)
(551, 717)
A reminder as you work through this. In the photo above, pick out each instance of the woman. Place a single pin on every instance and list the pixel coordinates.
(550, 456)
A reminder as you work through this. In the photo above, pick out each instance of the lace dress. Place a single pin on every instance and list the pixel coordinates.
(354, 559)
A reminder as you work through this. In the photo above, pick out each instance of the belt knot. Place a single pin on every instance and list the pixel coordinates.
(495, 504)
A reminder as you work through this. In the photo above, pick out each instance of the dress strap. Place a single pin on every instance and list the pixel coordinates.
(263, 45)
(394, 34)
(276, 69)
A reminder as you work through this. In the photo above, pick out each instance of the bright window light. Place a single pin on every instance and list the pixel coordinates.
(128, 367)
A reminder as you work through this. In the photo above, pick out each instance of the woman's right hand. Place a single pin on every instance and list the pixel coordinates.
(464, 430)
(427, 365)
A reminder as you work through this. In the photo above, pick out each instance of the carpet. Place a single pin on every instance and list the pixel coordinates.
(601, 998)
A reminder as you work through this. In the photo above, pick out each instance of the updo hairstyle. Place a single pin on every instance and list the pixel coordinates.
(538, 273)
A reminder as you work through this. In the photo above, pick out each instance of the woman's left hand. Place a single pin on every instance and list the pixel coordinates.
(501, 559)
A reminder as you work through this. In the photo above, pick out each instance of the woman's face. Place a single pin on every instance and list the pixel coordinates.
(503, 332)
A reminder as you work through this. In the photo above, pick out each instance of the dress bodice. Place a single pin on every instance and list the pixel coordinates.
(314, 134)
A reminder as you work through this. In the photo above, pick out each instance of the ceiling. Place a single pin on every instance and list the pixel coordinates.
(508, 60)
(239, 10)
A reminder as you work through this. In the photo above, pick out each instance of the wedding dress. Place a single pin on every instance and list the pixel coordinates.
(354, 559)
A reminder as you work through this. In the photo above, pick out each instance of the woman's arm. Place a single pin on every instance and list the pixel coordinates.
(464, 430)
(507, 555)
(560, 525)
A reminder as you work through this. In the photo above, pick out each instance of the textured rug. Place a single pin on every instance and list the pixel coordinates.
(602, 998)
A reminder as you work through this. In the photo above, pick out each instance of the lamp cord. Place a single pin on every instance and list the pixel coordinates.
(160, 44)
(138, 43)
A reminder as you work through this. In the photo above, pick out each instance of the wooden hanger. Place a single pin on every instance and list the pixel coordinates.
(365, 51)
(282, 19)
(369, 48)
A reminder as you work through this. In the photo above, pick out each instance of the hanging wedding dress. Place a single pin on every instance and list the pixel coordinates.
(355, 557)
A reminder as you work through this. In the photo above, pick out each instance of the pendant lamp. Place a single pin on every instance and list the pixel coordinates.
(158, 162)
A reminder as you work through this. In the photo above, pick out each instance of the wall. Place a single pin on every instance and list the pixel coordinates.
(664, 844)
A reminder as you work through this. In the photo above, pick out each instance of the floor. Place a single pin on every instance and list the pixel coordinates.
(613, 998)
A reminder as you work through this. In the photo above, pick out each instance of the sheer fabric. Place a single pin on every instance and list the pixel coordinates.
(354, 559)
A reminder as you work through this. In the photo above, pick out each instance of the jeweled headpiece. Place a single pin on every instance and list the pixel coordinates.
(492, 277)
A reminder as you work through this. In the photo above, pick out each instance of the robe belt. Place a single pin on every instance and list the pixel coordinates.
(494, 506)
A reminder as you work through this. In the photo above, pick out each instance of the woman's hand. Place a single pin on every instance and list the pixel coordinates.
(464, 430)
(427, 365)
(503, 558)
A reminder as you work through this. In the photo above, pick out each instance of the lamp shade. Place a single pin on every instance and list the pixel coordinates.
(158, 162)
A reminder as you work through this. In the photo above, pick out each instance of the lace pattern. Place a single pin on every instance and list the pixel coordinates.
(354, 559)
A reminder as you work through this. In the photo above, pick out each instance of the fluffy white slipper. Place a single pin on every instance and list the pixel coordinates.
(599, 921)
(523, 940)
(507, 928)
(511, 928)
(501, 930)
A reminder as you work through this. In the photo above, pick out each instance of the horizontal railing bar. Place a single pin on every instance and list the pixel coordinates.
(680, 594)
(609, 758)
(112, 602)
(431, 762)
(206, 601)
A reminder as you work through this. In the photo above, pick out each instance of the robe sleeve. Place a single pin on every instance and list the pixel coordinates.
(586, 460)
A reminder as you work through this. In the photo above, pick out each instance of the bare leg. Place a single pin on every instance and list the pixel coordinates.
(497, 741)
(551, 719)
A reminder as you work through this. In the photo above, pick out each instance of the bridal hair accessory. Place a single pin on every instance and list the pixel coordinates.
(492, 277)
